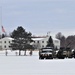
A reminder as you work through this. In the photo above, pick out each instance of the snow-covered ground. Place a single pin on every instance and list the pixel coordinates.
(31, 65)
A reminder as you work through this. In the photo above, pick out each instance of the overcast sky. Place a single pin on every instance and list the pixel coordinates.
(39, 16)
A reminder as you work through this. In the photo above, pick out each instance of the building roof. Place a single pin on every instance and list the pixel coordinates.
(7, 38)
(44, 38)
(37, 39)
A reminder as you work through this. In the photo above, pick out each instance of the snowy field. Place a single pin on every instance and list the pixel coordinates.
(31, 65)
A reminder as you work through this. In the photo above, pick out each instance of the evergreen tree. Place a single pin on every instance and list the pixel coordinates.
(21, 40)
(50, 42)
(3, 35)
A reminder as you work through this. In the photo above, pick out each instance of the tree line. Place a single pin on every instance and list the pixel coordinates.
(66, 41)
(22, 40)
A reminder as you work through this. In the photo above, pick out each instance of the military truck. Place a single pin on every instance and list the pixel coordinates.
(46, 53)
(65, 53)
(62, 53)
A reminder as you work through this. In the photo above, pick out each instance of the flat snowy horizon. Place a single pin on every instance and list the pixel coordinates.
(31, 65)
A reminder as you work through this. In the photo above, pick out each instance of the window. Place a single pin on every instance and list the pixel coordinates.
(9, 41)
(4, 41)
(9, 46)
(0, 47)
(42, 41)
(37, 41)
(42, 46)
(0, 41)
(5, 46)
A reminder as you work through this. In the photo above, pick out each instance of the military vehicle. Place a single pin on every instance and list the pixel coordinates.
(65, 53)
(62, 53)
(46, 53)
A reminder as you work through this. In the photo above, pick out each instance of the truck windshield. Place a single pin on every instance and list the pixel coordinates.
(47, 50)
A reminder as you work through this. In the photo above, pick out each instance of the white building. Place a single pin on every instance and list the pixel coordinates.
(38, 43)
(42, 42)
(5, 43)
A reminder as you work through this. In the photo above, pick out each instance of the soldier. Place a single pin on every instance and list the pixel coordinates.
(30, 52)
(6, 53)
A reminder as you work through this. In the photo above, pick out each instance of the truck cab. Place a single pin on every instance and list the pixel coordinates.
(46, 53)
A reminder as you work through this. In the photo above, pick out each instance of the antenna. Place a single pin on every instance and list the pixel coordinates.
(48, 33)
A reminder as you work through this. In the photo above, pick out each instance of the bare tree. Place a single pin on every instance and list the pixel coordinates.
(59, 35)
(62, 39)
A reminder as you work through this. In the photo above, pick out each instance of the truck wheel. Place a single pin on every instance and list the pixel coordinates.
(51, 58)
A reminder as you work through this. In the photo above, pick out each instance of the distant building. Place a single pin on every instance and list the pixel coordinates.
(41, 42)
(5, 43)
